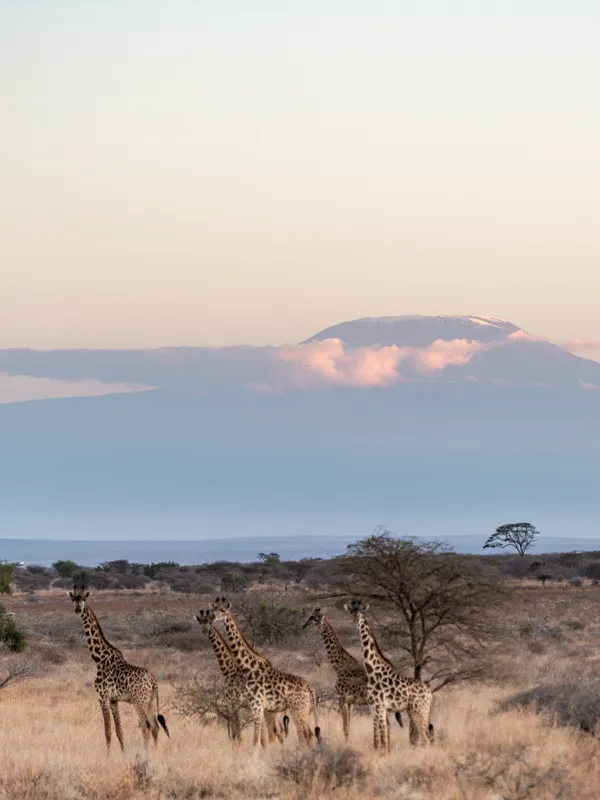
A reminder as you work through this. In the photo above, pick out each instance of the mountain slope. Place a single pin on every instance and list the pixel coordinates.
(507, 354)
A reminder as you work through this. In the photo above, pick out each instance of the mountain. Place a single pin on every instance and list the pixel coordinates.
(502, 352)
(416, 330)
(467, 436)
(364, 353)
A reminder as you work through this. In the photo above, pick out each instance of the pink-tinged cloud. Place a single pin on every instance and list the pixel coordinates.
(444, 353)
(329, 363)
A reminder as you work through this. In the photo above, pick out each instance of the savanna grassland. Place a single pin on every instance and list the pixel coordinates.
(491, 740)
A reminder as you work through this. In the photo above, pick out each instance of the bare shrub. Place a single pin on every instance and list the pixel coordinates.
(13, 670)
(207, 699)
(575, 704)
(267, 618)
(323, 769)
(512, 775)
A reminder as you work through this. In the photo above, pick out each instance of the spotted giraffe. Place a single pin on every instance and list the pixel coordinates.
(387, 690)
(351, 681)
(116, 680)
(234, 687)
(266, 688)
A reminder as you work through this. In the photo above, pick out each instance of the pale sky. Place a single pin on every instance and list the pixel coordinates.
(226, 171)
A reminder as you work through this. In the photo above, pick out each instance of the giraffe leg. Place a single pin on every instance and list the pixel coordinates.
(107, 727)
(418, 728)
(114, 707)
(145, 723)
(301, 725)
(258, 718)
(345, 710)
(380, 740)
(153, 722)
(273, 728)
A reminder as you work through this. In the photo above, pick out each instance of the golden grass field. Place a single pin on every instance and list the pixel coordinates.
(52, 742)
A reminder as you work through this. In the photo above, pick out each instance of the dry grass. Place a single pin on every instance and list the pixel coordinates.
(52, 742)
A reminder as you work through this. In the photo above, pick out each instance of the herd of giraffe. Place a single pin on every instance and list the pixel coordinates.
(251, 680)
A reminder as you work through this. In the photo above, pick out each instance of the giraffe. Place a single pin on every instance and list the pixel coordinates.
(116, 680)
(234, 688)
(351, 682)
(388, 690)
(266, 688)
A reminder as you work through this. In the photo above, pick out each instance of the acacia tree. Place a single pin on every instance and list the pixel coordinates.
(447, 606)
(519, 535)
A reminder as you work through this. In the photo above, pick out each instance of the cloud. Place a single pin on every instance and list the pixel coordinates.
(329, 363)
(21, 388)
(445, 353)
(523, 336)
(579, 346)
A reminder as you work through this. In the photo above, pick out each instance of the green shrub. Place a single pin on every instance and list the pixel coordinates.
(66, 569)
(10, 634)
(6, 576)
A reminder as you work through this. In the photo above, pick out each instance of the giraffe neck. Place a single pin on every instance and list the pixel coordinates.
(337, 655)
(225, 657)
(240, 647)
(372, 655)
(98, 645)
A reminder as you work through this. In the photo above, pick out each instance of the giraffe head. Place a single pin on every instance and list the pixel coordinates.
(220, 608)
(356, 608)
(205, 617)
(316, 618)
(79, 596)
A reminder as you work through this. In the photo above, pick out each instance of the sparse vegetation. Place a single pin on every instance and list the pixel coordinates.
(496, 737)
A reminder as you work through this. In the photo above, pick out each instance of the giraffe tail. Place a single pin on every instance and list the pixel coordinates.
(159, 717)
(161, 721)
(317, 731)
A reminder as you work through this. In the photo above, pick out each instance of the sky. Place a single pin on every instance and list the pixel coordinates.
(212, 173)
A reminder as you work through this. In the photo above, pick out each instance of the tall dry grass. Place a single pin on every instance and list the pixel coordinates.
(52, 742)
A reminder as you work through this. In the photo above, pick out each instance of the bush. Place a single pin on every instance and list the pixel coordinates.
(574, 704)
(6, 576)
(576, 582)
(323, 770)
(233, 582)
(592, 570)
(266, 620)
(10, 634)
(152, 570)
(66, 568)
(206, 698)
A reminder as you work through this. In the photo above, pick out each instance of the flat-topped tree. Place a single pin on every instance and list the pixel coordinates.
(117, 681)
(520, 536)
